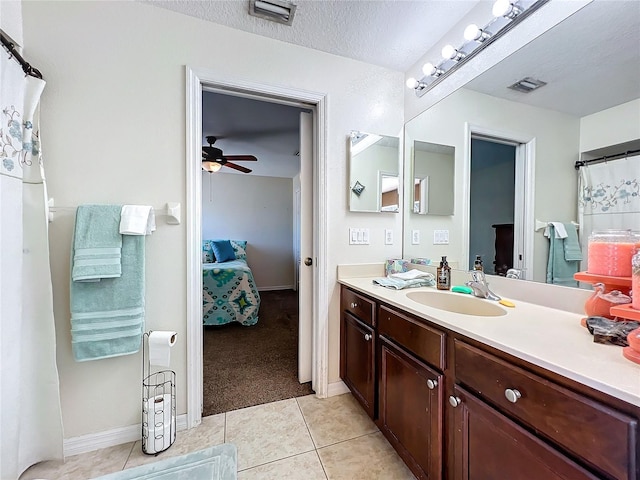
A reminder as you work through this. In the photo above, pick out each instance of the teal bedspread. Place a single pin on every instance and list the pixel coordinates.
(229, 294)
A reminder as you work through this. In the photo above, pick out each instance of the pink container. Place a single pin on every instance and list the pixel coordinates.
(635, 281)
(610, 252)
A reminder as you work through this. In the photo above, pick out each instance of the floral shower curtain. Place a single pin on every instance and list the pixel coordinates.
(30, 413)
(609, 197)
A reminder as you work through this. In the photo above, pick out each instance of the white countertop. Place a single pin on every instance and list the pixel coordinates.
(547, 337)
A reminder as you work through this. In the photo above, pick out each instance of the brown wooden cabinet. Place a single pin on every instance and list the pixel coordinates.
(458, 409)
(410, 409)
(489, 446)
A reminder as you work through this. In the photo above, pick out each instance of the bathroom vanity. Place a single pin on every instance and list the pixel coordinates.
(520, 393)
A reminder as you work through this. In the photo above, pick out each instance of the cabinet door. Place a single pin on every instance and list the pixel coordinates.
(358, 360)
(489, 446)
(410, 410)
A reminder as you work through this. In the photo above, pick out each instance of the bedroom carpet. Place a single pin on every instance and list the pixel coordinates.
(246, 366)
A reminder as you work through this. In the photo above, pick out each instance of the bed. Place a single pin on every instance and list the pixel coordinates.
(229, 292)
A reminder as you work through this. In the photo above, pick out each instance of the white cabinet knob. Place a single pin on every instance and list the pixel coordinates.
(367, 337)
(354, 304)
(512, 394)
(454, 401)
(431, 384)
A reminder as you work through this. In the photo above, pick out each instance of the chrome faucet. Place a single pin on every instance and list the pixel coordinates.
(480, 286)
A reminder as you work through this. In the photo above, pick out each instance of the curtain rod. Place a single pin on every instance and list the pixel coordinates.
(13, 53)
(605, 158)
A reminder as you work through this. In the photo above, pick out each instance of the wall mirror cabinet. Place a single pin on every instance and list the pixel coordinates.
(374, 173)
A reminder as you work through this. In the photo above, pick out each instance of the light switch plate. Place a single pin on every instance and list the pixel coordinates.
(388, 236)
(415, 237)
(441, 237)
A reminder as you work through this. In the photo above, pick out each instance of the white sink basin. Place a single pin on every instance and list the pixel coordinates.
(455, 303)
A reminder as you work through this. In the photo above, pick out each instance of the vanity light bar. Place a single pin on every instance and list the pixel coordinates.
(507, 14)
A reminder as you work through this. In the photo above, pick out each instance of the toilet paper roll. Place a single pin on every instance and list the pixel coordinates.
(160, 343)
(158, 410)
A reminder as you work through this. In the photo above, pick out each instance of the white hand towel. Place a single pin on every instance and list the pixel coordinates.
(559, 229)
(137, 220)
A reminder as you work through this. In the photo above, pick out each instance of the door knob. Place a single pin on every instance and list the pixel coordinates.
(308, 261)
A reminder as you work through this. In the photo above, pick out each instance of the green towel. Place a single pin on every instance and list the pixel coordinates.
(571, 244)
(97, 243)
(559, 270)
(107, 317)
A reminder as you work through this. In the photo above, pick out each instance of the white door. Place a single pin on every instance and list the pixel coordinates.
(305, 292)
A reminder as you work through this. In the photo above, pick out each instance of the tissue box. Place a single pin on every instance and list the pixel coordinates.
(395, 265)
(421, 261)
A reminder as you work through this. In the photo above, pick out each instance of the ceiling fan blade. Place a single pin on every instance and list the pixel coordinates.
(237, 167)
(241, 158)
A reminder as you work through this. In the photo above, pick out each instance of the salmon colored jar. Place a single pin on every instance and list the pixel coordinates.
(610, 252)
(635, 281)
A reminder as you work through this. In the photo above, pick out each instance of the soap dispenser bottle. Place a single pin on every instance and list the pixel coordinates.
(443, 275)
(477, 265)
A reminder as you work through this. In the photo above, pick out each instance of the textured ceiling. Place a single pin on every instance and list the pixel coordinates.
(391, 33)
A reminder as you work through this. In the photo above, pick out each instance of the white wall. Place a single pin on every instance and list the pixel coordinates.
(256, 209)
(11, 20)
(113, 130)
(612, 126)
(557, 139)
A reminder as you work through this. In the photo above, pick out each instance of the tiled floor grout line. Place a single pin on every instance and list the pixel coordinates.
(126, 460)
(315, 446)
(326, 475)
(277, 460)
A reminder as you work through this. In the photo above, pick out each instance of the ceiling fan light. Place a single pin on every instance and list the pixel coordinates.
(211, 167)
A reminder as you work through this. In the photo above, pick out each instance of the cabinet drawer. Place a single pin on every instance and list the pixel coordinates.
(425, 342)
(603, 437)
(359, 306)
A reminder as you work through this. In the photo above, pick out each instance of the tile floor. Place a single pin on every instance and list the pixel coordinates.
(300, 438)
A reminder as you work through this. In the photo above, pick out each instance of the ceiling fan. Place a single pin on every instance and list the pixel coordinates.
(213, 159)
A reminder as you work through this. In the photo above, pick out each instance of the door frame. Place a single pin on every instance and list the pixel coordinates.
(523, 196)
(198, 79)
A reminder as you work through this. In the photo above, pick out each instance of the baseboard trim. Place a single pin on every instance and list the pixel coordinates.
(337, 388)
(276, 287)
(109, 438)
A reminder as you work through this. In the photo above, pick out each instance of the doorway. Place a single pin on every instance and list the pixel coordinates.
(254, 356)
(499, 200)
(199, 80)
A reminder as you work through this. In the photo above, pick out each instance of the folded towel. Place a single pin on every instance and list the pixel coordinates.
(137, 220)
(412, 274)
(559, 270)
(97, 243)
(399, 283)
(107, 317)
(572, 251)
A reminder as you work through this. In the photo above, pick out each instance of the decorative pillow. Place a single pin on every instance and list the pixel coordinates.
(207, 252)
(223, 250)
(239, 248)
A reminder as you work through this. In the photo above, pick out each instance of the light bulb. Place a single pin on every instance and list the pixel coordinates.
(215, 166)
(450, 53)
(505, 8)
(472, 32)
(412, 83)
(431, 70)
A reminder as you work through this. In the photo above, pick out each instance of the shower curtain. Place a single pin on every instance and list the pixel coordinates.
(609, 197)
(30, 413)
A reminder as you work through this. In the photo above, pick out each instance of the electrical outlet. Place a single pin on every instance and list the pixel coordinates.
(388, 236)
(415, 237)
(441, 237)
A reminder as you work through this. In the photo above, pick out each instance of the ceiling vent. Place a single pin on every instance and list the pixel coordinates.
(279, 11)
(527, 85)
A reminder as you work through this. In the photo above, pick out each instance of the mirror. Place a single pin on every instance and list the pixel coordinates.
(590, 104)
(433, 170)
(374, 165)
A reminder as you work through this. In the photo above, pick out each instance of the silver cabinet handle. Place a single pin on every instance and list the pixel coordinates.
(431, 384)
(454, 401)
(367, 337)
(354, 304)
(512, 394)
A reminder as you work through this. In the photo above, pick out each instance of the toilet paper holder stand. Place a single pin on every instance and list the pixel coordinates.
(158, 405)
